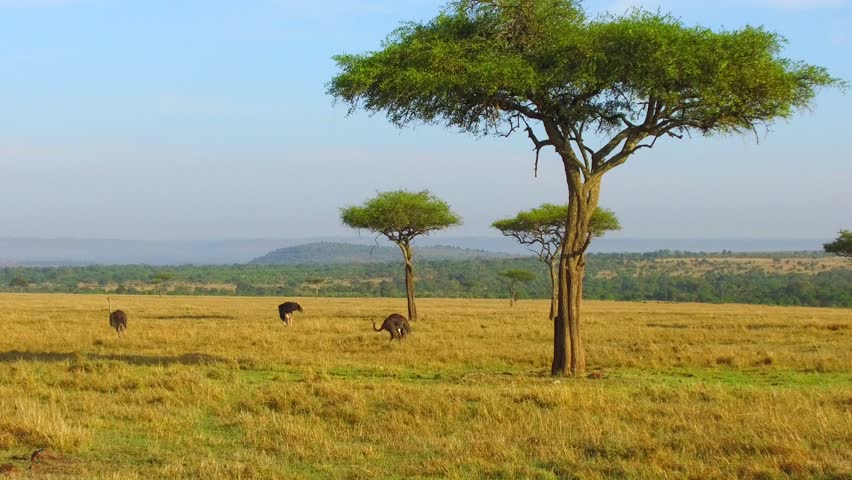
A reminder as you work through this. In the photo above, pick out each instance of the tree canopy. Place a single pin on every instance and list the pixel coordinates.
(544, 226)
(400, 215)
(841, 246)
(488, 66)
(518, 275)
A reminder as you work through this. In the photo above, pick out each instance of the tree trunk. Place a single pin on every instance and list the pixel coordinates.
(560, 332)
(569, 357)
(574, 269)
(554, 287)
(513, 293)
(409, 280)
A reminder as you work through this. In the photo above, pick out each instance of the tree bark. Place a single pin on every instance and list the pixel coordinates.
(569, 357)
(407, 254)
(554, 286)
(513, 292)
(560, 332)
(574, 269)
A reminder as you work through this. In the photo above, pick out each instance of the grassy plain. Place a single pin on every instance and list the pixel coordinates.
(218, 387)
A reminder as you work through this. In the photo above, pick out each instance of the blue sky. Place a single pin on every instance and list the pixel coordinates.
(162, 119)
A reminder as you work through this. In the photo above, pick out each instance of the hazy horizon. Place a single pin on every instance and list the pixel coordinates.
(41, 252)
(209, 120)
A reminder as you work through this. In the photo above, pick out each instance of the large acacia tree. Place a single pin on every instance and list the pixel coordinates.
(401, 216)
(595, 91)
(841, 246)
(542, 230)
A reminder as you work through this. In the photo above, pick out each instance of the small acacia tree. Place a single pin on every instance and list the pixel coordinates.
(161, 279)
(401, 216)
(542, 229)
(595, 91)
(841, 246)
(316, 283)
(515, 277)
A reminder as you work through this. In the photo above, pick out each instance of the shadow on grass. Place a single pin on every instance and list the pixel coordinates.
(192, 317)
(185, 359)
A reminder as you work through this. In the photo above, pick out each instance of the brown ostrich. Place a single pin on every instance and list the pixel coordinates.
(396, 325)
(117, 319)
(286, 309)
(35, 455)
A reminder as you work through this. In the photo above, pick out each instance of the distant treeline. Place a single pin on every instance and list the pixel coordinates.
(775, 279)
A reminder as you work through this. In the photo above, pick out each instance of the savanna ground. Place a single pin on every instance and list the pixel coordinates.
(218, 387)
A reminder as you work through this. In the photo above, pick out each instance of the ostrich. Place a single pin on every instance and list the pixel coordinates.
(117, 319)
(396, 325)
(286, 309)
(35, 455)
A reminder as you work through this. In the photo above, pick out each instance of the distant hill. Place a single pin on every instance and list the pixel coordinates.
(321, 253)
(94, 251)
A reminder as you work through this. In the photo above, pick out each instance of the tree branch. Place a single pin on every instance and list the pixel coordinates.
(538, 144)
(633, 144)
(528, 112)
(630, 146)
(622, 117)
(577, 137)
(650, 113)
(563, 148)
(599, 157)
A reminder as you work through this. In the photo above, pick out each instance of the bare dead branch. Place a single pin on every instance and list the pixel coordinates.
(538, 145)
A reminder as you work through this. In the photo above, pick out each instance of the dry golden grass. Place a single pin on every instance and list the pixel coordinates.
(218, 387)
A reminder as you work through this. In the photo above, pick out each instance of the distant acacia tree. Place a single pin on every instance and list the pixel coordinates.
(543, 230)
(841, 246)
(401, 216)
(596, 91)
(316, 283)
(515, 277)
(160, 279)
